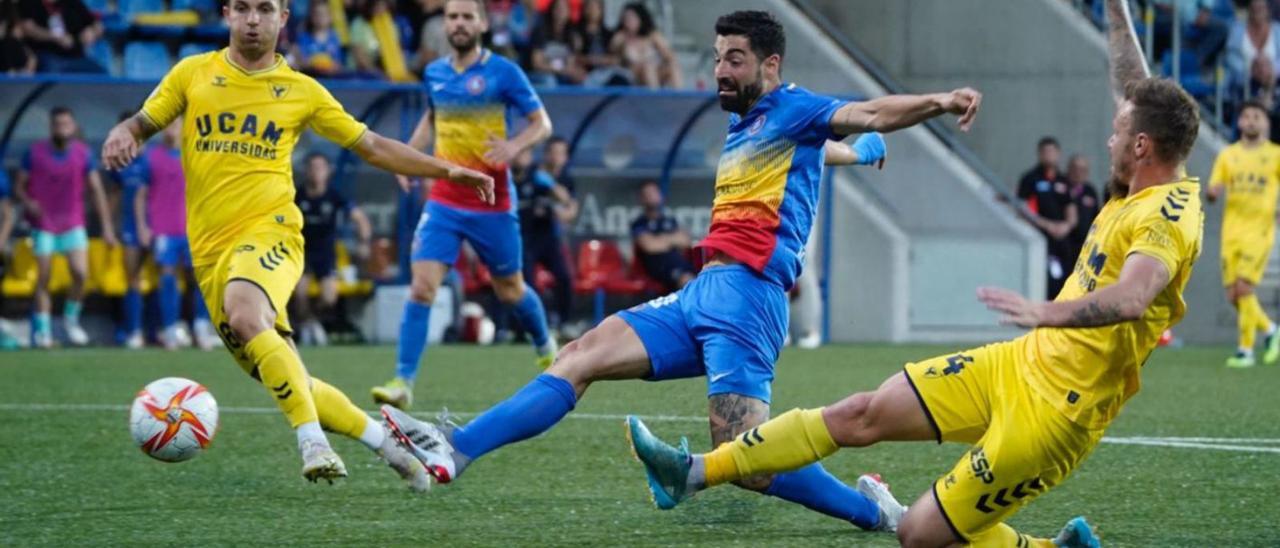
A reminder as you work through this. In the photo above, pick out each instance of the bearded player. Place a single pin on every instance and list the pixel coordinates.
(729, 323)
(243, 111)
(1031, 409)
(1249, 172)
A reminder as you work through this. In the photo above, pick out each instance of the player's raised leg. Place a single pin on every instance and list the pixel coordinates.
(610, 351)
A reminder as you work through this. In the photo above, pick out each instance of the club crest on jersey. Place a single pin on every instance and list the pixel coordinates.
(279, 91)
(220, 81)
(475, 85)
(756, 126)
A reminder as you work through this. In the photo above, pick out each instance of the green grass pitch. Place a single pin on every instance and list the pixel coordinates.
(70, 475)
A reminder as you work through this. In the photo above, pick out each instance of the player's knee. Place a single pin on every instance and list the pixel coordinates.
(850, 421)
(758, 484)
(573, 363)
(509, 290)
(422, 291)
(247, 321)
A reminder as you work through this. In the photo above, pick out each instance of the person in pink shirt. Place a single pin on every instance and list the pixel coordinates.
(160, 212)
(50, 186)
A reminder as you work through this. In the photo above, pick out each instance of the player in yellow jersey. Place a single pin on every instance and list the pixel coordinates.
(243, 111)
(1031, 409)
(1249, 172)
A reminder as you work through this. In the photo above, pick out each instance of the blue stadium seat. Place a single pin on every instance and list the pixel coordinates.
(202, 6)
(100, 52)
(194, 48)
(129, 8)
(97, 6)
(1189, 74)
(145, 60)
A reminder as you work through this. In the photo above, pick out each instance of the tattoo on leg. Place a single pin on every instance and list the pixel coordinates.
(732, 414)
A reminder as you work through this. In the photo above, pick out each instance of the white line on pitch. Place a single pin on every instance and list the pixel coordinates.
(1223, 444)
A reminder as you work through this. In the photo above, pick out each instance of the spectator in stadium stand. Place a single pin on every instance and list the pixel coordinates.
(50, 187)
(1202, 33)
(376, 41)
(1047, 205)
(660, 243)
(323, 209)
(432, 41)
(1085, 197)
(644, 50)
(1253, 53)
(516, 26)
(591, 40)
(318, 50)
(16, 58)
(553, 60)
(7, 341)
(546, 204)
(60, 31)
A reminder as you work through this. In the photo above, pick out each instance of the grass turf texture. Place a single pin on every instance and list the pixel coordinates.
(73, 477)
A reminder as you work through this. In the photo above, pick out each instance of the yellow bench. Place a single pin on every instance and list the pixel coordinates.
(107, 275)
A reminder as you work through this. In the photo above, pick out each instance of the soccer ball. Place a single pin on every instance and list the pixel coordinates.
(173, 419)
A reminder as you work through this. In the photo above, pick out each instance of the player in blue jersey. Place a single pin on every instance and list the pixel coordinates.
(470, 93)
(130, 179)
(729, 323)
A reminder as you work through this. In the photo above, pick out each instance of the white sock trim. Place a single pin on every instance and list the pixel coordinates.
(310, 431)
(373, 434)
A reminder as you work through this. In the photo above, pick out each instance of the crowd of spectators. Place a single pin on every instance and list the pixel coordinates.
(557, 42)
(1061, 205)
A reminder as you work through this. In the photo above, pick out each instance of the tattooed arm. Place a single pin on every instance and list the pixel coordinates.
(1141, 279)
(1127, 63)
(731, 415)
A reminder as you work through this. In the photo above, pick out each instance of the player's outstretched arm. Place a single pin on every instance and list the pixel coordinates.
(501, 152)
(124, 140)
(402, 159)
(1127, 63)
(894, 112)
(1141, 278)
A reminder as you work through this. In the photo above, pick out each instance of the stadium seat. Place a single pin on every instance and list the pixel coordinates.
(100, 52)
(475, 276)
(1189, 76)
(129, 9)
(194, 48)
(201, 6)
(601, 271)
(98, 7)
(145, 60)
(358, 288)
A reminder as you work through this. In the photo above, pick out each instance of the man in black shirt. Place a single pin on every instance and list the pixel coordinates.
(1047, 205)
(60, 31)
(546, 203)
(1085, 198)
(323, 211)
(660, 244)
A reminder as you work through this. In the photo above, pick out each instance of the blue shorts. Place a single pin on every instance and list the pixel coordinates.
(171, 251)
(494, 236)
(728, 324)
(45, 243)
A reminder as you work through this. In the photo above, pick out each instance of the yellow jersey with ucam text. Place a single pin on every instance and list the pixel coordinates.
(1251, 176)
(1088, 373)
(238, 133)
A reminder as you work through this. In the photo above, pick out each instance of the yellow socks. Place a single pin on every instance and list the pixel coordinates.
(283, 374)
(792, 440)
(339, 415)
(1252, 318)
(1001, 536)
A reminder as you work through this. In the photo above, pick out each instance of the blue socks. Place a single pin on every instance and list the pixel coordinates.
(170, 300)
(413, 339)
(816, 489)
(532, 317)
(531, 411)
(132, 311)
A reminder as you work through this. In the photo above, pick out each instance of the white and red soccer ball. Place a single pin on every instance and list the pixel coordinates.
(173, 419)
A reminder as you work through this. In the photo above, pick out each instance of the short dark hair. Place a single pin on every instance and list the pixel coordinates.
(1254, 103)
(763, 31)
(1046, 141)
(59, 111)
(557, 140)
(647, 183)
(313, 155)
(1166, 113)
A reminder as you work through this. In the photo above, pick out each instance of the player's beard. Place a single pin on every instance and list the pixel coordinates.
(463, 42)
(1118, 186)
(744, 96)
(1250, 135)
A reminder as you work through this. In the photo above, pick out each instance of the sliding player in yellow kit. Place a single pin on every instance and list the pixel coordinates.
(1031, 409)
(1249, 171)
(244, 110)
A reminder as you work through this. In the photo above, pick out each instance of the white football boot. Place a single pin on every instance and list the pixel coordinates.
(427, 442)
(891, 511)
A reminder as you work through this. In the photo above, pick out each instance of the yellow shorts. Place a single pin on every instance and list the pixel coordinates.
(1022, 446)
(268, 255)
(1244, 260)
